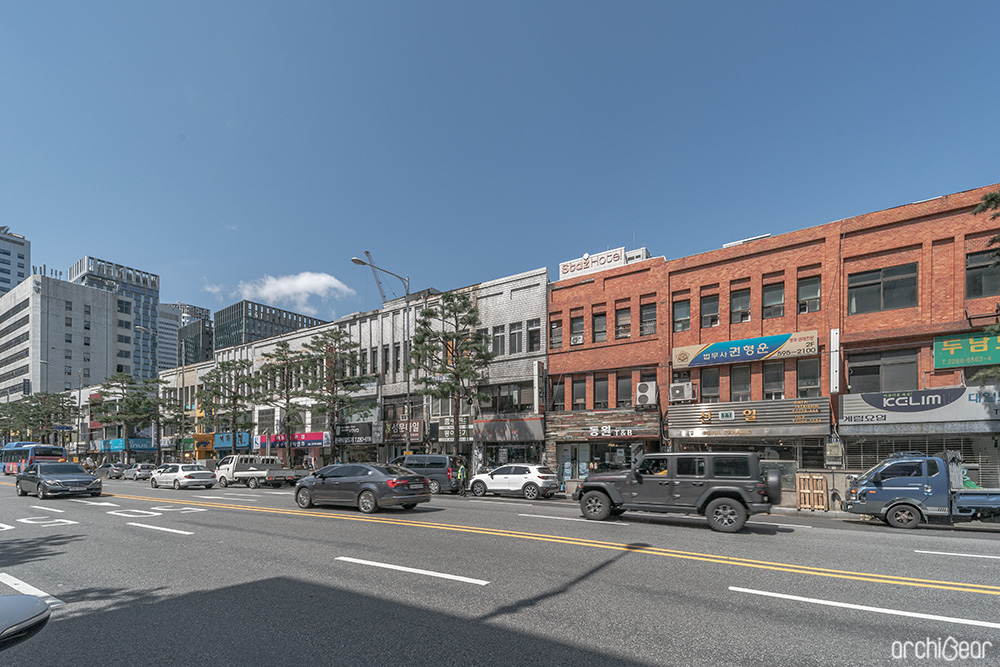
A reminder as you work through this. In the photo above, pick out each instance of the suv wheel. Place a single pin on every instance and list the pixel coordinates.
(726, 515)
(595, 506)
(478, 489)
(530, 491)
(903, 516)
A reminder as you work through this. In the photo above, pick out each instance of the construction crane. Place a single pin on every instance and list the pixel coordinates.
(371, 265)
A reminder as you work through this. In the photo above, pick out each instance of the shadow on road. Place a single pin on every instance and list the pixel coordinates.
(17, 552)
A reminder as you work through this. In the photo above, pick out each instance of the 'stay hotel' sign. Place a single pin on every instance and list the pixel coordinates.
(591, 263)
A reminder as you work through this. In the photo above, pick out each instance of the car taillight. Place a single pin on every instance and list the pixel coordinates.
(449, 473)
(393, 483)
(546, 477)
(761, 489)
(188, 476)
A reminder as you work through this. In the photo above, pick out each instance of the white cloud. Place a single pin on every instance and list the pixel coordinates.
(294, 292)
(215, 290)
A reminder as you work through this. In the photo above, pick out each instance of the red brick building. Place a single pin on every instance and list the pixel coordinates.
(816, 348)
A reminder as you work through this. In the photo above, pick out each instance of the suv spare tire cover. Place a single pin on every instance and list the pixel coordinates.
(772, 485)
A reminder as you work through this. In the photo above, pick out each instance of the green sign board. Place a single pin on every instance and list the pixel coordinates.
(966, 350)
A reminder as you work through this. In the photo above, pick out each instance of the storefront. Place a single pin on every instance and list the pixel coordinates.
(442, 437)
(394, 441)
(306, 449)
(502, 441)
(141, 450)
(223, 444)
(965, 419)
(352, 443)
(580, 443)
(791, 433)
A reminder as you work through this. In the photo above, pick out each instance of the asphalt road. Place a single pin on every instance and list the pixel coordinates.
(226, 576)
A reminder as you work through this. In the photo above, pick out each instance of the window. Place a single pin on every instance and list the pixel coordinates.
(124, 307)
(86, 325)
(731, 466)
(363, 361)
(709, 388)
(579, 394)
(889, 370)
(124, 339)
(709, 311)
(508, 398)
(600, 392)
(682, 315)
(86, 371)
(67, 370)
(558, 395)
(68, 354)
(774, 380)
(123, 368)
(647, 318)
(555, 334)
(86, 309)
(499, 333)
(374, 357)
(124, 354)
(809, 294)
(623, 387)
(69, 321)
(397, 357)
(623, 323)
(982, 274)
(739, 306)
(902, 469)
(86, 341)
(86, 357)
(690, 466)
(883, 289)
(534, 335)
(600, 327)
(808, 378)
(774, 301)
(123, 324)
(69, 338)
(576, 330)
(385, 359)
(515, 337)
(739, 383)
(69, 305)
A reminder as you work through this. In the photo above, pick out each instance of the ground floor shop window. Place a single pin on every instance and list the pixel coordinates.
(579, 461)
(498, 455)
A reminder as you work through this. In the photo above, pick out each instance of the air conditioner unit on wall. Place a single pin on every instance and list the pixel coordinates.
(682, 391)
(576, 340)
(646, 395)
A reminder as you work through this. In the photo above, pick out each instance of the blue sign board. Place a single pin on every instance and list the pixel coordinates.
(797, 344)
(225, 440)
(134, 444)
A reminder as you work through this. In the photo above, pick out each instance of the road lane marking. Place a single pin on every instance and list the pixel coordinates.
(850, 575)
(241, 500)
(429, 573)
(47, 509)
(26, 589)
(945, 553)
(166, 530)
(92, 502)
(501, 502)
(877, 610)
(244, 495)
(566, 518)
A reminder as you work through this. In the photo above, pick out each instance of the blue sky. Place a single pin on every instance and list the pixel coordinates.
(248, 149)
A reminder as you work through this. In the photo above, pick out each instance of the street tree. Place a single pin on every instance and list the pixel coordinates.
(164, 413)
(990, 202)
(335, 377)
(228, 391)
(125, 402)
(37, 416)
(284, 380)
(450, 352)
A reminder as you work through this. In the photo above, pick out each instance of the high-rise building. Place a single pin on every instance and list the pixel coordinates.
(195, 342)
(168, 322)
(15, 257)
(191, 313)
(246, 321)
(58, 336)
(142, 290)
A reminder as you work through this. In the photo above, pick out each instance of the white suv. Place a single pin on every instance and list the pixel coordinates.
(530, 481)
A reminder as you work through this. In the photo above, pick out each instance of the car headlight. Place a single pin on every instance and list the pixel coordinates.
(51, 482)
(96, 482)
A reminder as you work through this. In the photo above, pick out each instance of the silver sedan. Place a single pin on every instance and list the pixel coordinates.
(182, 475)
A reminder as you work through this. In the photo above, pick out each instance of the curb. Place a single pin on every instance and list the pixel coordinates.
(828, 514)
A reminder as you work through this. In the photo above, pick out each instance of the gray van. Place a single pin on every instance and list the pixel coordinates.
(440, 469)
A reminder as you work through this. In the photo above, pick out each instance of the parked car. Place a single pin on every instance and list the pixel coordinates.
(367, 486)
(440, 469)
(110, 470)
(21, 617)
(530, 481)
(182, 475)
(46, 480)
(138, 471)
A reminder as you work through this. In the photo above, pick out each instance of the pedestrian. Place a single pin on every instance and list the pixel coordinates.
(461, 478)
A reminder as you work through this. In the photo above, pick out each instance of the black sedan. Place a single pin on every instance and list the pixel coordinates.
(46, 480)
(367, 486)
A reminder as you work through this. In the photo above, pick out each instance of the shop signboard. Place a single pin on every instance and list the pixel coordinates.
(750, 419)
(592, 263)
(948, 404)
(353, 433)
(395, 431)
(313, 439)
(446, 429)
(782, 346)
(134, 444)
(509, 430)
(966, 350)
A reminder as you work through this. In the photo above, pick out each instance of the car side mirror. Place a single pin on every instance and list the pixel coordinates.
(876, 478)
(21, 616)
(851, 478)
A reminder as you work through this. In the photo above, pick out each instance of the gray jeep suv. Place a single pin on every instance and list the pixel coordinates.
(725, 487)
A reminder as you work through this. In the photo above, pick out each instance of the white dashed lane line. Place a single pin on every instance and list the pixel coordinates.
(26, 589)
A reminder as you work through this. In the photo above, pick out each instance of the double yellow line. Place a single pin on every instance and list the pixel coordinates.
(614, 546)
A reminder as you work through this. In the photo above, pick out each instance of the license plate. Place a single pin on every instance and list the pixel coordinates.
(416, 486)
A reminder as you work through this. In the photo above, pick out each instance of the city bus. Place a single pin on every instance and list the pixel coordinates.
(15, 456)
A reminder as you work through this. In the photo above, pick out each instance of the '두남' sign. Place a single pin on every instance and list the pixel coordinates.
(966, 350)
(782, 346)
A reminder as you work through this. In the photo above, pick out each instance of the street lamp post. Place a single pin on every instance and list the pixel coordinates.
(406, 335)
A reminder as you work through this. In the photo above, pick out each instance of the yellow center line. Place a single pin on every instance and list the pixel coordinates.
(598, 544)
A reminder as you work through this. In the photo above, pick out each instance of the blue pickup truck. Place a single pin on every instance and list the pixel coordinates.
(910, 488)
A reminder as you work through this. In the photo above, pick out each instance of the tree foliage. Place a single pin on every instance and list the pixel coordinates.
(333, 383)
(283, 381)
(228, 395)
(35, 417)
(125, 402)
(450, 351)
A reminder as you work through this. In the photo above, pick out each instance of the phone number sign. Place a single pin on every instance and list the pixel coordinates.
(966, 350)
